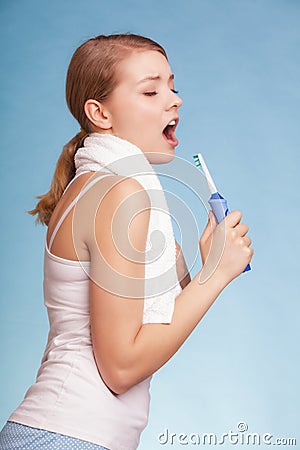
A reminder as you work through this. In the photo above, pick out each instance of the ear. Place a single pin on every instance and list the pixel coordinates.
(97, 114)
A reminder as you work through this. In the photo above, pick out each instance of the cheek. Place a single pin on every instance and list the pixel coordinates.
(137, 120)
(140, 119)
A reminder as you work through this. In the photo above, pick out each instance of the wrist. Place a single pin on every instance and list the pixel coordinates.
(212, 275)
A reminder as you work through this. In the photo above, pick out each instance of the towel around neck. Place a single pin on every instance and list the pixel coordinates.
(106, 152)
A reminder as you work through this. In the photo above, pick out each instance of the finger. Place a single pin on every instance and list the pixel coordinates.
(242, 229)
(212, 219)
(247, 241)
(233, 218)
(210, 226)
(178, 249)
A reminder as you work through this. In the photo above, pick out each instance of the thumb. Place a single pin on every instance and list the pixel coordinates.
(210, 226)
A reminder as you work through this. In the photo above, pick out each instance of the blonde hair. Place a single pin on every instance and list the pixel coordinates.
(91, 74)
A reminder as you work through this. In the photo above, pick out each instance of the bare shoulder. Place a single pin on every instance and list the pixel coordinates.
(114, 188)
(123, 188)
(105, 201)
(106, 194)
(125, 207)
(118, 211)
(119, 198)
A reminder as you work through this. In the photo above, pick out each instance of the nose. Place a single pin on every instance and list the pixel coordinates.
(175, 100)
(178, 101)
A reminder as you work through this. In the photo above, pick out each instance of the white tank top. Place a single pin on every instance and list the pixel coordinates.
(69, 396)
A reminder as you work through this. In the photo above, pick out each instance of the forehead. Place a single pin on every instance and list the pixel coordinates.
(141, 64)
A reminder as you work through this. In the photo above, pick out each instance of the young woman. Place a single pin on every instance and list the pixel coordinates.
(117, 313)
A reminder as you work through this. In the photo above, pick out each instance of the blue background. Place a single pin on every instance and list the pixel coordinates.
(237, 68)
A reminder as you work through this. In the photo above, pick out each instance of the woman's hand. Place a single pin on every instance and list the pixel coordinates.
(206, 238)
(225, 247)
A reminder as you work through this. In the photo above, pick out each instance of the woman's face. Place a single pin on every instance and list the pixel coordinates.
(144, 103)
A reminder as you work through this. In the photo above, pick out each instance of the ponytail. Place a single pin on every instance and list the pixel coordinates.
(64, 173)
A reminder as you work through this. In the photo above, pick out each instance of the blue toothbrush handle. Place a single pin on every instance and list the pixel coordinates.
(219, 207)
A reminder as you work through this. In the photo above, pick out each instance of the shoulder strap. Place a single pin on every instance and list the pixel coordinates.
(68, 209)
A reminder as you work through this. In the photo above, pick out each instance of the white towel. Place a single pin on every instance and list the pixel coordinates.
(105, 152)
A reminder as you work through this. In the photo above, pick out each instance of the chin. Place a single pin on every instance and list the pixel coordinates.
(160, 157)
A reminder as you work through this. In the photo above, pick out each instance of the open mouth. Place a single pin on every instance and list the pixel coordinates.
(169, 132)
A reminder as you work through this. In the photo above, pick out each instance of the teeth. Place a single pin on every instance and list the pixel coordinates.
(172, 122)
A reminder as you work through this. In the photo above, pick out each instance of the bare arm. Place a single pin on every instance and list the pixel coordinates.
(126, 351)
(182, 270)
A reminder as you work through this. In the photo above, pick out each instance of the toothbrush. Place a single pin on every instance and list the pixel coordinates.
(217, 203)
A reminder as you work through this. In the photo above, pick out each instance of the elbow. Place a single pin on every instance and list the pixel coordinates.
(117, 378)
(118, 382)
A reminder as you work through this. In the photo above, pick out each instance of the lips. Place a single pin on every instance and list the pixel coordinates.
(169, 132)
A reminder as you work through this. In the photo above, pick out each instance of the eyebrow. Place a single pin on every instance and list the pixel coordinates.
(155, 78)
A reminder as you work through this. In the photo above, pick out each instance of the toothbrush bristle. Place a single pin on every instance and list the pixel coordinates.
(197, 161)
(200, 163)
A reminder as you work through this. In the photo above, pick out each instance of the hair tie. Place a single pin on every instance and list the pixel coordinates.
(83, 132)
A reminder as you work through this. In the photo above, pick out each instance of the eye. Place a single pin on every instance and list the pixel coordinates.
(175, 92)
(151, 94)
